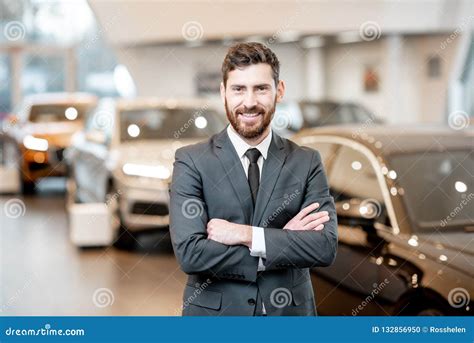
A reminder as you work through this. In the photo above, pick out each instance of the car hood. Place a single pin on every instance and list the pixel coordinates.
(58, 134)
(151, 152)
(458, 242)
(455, 249)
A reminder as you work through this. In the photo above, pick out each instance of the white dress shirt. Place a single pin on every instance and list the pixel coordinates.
(258, 248)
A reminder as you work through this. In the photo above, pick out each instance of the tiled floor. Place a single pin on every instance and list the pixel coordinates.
(42, 273)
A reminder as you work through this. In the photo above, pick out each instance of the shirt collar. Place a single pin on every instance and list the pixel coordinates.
(241, 146)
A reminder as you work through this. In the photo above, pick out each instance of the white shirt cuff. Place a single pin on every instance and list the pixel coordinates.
(258, 242)
(258, 248)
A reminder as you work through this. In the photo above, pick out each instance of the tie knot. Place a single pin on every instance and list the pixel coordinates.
(253, 155)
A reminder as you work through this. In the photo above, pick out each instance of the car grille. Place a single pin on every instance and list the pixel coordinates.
(38, 166)
(150, 209)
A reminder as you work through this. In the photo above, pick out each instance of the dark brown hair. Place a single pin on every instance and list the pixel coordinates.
(244, 54)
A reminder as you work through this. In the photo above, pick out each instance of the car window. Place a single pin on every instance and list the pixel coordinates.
(327, 152)
(361, 115)
(441, 198)
(58, 112)
(169, 123)
(352, 176)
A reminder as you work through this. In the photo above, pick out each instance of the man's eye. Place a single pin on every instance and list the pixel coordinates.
(237, 89)
(262, 89)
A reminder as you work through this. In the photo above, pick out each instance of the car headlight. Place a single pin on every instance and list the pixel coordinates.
(157, 172)
(34, 143)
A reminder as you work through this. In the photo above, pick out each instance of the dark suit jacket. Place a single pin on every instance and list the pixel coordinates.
(209, 182)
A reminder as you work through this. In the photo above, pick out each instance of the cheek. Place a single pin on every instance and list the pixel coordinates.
(233, 101)
(267, 101)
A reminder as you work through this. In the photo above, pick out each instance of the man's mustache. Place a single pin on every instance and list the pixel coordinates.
(251, 110)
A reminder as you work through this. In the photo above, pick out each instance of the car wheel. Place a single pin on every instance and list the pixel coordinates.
(28, 187)
(423, 306)
(430, 312)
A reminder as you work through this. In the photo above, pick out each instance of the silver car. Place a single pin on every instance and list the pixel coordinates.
(405, 205)
(124, 157)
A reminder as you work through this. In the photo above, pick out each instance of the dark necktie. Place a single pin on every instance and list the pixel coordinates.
(253, 172)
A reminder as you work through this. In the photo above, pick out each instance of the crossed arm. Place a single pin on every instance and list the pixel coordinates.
(220, 248)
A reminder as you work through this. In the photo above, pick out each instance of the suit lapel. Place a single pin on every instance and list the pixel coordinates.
(235, 172)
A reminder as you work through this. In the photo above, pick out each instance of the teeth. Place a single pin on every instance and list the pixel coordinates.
(250, 114)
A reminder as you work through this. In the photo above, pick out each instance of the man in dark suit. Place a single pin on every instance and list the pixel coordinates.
(250, 212)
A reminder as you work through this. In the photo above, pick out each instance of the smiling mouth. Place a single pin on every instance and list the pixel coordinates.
(249, 115)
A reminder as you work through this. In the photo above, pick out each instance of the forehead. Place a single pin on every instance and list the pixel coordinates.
(251, 75)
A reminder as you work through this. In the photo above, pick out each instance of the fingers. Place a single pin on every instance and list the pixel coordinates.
(316, 224)
(319, 227)
(323, 215)
(308, 209)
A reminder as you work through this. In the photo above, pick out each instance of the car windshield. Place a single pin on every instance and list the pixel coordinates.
(438, 187)
(57, 112)
(164, 123)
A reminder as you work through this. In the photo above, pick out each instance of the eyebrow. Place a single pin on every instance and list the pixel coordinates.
(255, 86)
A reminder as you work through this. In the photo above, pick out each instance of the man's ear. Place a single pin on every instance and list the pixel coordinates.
(223, 92)
(280, 90)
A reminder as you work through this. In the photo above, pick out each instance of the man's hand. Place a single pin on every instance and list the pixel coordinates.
(306, 221)
(228, 233)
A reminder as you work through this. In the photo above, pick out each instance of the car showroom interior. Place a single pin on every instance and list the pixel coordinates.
(97, 96)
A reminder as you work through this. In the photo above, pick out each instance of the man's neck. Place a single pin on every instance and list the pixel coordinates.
(257, 140)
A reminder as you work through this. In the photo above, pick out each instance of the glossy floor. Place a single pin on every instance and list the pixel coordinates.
(42, 273)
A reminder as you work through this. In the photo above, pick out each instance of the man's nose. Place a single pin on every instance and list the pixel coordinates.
(250, 100)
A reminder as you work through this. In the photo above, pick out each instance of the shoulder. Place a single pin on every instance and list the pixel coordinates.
(196, 149)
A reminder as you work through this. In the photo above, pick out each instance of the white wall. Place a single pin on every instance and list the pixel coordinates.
(417, 98)
(406, 94)
(170, 71)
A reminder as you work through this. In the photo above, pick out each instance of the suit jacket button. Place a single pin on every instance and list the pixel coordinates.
(251, 302)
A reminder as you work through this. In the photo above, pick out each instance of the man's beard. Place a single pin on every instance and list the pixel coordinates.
(256, 130)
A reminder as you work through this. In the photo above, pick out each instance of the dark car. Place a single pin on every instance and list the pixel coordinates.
(293, 116)
(405, 205)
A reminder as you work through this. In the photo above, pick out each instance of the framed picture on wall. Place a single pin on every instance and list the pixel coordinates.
(371, 79)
